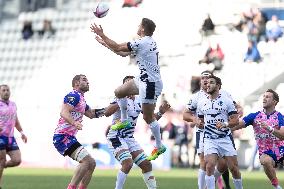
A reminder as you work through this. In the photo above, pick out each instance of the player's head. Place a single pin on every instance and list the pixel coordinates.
(80, 83)
(4, 92)
(127, 78)
(214, 84)
(204, 79)
(270, 99)
(146, 28)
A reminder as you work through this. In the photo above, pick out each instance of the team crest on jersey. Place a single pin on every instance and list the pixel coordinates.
(71, 98)
(220, 103)
(190, 102)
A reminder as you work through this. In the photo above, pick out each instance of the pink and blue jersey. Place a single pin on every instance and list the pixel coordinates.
(8, 116)
(75, 99)
(267, 142)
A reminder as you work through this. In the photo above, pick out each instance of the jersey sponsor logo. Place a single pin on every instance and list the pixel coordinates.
(214, 115)
(71, 99)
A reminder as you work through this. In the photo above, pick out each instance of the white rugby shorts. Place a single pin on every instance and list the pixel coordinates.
(149, 91)
(220, 146)
(199, 145)
(117, 144)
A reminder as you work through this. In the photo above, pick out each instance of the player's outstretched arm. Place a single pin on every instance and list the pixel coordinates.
(120, 53)
(111, 109)
(239, 126)
(109, 42)
(95, 113)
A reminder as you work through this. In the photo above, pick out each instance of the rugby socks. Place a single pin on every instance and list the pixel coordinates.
(210, 181)
(226, 179)
(155, 128)
(150, 182)
(71, 186)
(274, 182)
(201, 179)
(238, 183)
(120, 180)
(122, 103)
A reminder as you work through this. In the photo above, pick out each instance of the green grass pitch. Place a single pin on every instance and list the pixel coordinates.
(35, 178)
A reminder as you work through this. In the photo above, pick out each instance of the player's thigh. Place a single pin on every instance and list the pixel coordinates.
(15, 155)
(222, 165)
(127, 89)
(2, 156)
(148, 110)
(232, 162)
(266, 160)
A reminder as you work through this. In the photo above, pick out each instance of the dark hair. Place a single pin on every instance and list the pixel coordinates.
(206, 72)
(149, 26)
(76, 78)
(275, 95)
(217, 79)
(127, 77)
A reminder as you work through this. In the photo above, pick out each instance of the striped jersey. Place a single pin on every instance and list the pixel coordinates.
(193, 104)
(218, 109)
(133, 111)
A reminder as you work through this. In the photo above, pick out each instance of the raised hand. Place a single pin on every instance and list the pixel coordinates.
(97, 30)
(78, 125)
(165, 106)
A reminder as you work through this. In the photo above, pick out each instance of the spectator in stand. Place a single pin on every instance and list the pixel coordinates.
(195, 84)
(47, 31)
(273, 29)
(27, 31)
(208, 27)
(214, 55)
(131, 3)
(252, 54)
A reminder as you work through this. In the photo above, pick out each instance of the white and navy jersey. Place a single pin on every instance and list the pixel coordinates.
(146, 55)
(193, 103)
(200, 96)
(133, 111)
(218, 109)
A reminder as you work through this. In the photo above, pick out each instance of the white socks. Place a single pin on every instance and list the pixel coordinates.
(122, 103)
(150, 183)
(201, 179)
(210, 181)
(238, 183)
(155, 128)
(120, 180)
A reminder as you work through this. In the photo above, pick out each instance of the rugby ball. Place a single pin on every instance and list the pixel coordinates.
(101, 10)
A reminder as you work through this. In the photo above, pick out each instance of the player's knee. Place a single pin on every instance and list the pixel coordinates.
(146, 166)
(235, 171)
(148, 118)
(91, 164)
(265, 161)
(16, 161)
(127, 165)
(2, 163)
(210, 167)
